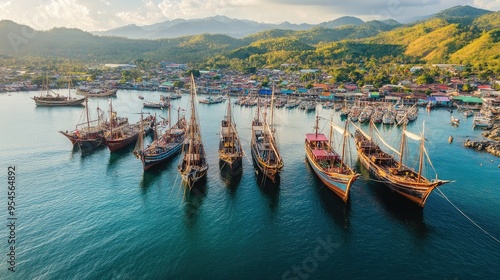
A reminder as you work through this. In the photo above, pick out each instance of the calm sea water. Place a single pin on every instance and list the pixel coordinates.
(99, 217)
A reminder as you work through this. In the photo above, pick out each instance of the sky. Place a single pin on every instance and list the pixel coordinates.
(100, 15)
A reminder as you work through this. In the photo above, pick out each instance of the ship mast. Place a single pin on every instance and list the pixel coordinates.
(87, 113)
(402, 146)
(111, 118)
(421, 156)
(344, 137)
(230, 124)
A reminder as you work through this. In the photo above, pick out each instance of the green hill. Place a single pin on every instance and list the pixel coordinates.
(459, 34)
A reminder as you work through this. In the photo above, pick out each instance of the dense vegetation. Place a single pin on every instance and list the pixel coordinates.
(461, 35)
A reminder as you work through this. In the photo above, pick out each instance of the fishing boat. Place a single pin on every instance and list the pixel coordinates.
(455, 121)
(265, 154)
(175, 95)
(119, 137)
(392, 172)
(89, 133)
(54, 99)
(327, 164)
(96, 92)
(193, 165)
(482, 121)
(164, 147)
(162, 104)
(230, 150)
(212, 100)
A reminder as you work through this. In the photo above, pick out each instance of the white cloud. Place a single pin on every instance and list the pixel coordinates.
(4, 5)
(189, 9)
(59, 13)
(493, 5)
(148, 13)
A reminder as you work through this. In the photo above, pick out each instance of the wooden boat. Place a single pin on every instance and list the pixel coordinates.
(468, 113)
(482, 121)
(455, 121)
(96, 92)
(164, 147)
(175, 95)
(155, 105)
(265, 154)
(365, 114)
(120, 137)
(230, 150)
(327, 164)
(55, 99)
(193, 165)
(393, 173)
(88, 134)
(212, 100)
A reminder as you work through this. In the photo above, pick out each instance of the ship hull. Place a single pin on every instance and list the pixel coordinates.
(232, 167)
(270, 171)
(415, 192)
(118, 144)
(151, 160)
(53, 103)
(338, 183)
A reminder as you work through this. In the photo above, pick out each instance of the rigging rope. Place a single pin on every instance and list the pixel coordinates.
(461, 212)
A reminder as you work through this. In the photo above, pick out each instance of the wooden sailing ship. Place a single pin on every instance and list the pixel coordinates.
(394, 173)
(265, 153)
(119, 137)
(230, 150)
(164, 147)
(49, 98)
(327, 164)
(193, 165)
(88, 134)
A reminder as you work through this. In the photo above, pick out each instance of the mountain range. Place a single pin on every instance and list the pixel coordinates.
(235, 28)
(461, 34)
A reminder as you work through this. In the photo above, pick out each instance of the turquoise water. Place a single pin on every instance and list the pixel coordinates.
(99, 217)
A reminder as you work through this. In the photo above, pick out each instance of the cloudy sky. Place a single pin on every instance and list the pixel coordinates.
(99, 15)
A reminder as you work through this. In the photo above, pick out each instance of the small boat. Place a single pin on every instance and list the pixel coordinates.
(155, 105)
(230, 151)
(212, 100)
(265, 153)
(140, 97)
(455, 121)
(327, 164)
(96, 92)
(193, 165)
(392, 172)
(450, 139)
(482, 121)
(175, 95)
(468, 113)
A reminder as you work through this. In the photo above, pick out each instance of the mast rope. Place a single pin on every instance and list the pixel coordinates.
(468, 218)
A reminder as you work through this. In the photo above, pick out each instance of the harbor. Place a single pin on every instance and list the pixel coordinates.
(99, 215)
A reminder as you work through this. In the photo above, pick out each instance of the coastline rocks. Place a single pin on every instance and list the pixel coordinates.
(494, 133)
(492, 147)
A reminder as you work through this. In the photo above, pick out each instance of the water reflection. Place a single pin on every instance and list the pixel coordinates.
(148, 178)
(119, 155)
(270, 190)
(193, 200)
(332, 203)
(230, 178)
(398, 207)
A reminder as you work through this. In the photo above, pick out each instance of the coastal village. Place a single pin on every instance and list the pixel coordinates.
(305, 87)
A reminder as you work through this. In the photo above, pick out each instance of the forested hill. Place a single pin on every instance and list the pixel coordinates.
(459, 35)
